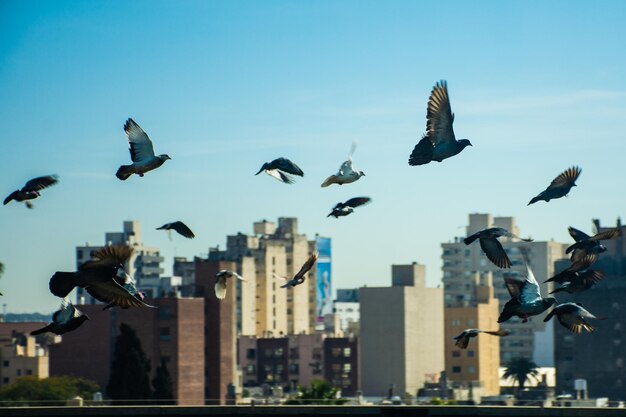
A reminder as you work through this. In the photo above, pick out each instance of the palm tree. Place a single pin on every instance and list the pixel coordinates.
(521, 370)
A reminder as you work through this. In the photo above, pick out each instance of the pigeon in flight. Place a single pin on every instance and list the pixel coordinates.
(180, 227)
(560, 186)
(279, 168)
(64, 320)
(463, 339)
(103, 277)
(525, 299)
(299, 277)
(489, 243)
(343, 209)
(31, 189)
(141, 153)
(573, 317)
(579, 253)
(346, 174)
(568, 274)
(586, 244)
(580, 281)
(439, 142)
(220, 282)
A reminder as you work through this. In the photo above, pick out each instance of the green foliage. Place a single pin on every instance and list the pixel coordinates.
(320, 392)
(163, 386)
(30, 390)
(521, 370)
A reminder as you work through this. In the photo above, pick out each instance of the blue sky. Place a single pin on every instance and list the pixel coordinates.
(224, 86)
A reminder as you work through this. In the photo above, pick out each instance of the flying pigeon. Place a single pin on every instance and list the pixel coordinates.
(489, 243)
(586, 244)
(141, 153)
(103, 277)
(572, 316)
(560, 186)
(579, 253)
(346, 174)
(66, 319)
(463, 339)
(31, 189)
(580, 282)
(439, 142)
(220, 282)
(525, 299)
(279, 168)
(299, 277)
(568, 274)
(343, 209)
(180, 227)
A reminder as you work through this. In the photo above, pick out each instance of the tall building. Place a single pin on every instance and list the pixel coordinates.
(532, 340)
(21, 355)
(347, 307)
(401, 334)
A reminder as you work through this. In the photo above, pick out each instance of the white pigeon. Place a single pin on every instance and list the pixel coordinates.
(141, 152)
(220, 282)
(346, 173)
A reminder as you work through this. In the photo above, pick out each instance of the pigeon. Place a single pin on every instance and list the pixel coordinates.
(572, 316)
(180, 227)
(299, 277)
(277, 166)
(586, 244)
(346, 174)
(141, 153)
(220, 282)
(31, 189)
(463, 339)
(66, 319)
(560, 186)
(491, 246)
(579, 253)
(439, 142)
(580, 282)
(103, 277)
(568, 274)
(343, 209)
(525, 299)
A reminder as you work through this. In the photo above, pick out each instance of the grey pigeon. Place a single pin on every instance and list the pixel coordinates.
(346, 173)
(580, 281)
(279, 168)
(573, 316)
(220, 282)
(141, 153)
(586, 244)
(439, 142)
(179, 227)
(31, 189)
(343, 209)
(560, 186)
(64, 320)
(463, 339)
(568, 274)
(489, 243)
(299, 277)
(579, 253)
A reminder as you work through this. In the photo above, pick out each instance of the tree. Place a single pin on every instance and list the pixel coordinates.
(130, 369)
(521, 370)
(30, 390)
(321, 392)
(163, 386)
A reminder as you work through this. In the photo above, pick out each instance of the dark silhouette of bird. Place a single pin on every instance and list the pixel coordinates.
(568, 274)
(560, 186)
(141, 153)
(103, 277)
(586, 244)
(489, 243)
(346, 173)
(299, 277)
(279, 168)
(463, 339)
(579, 253)
(343, 209)
(220, 282)
(580, 281)
(64, 320)
(439, 142)
(179, 227)
(573, 316)
(31, 190)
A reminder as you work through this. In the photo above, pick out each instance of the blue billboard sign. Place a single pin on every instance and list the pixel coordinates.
(323, 293)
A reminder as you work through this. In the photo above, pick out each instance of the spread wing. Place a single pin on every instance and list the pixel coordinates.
(113, 293)
(140, 144)
(584, 263)
(573, 322)
(307, 266)
(439, 117)
(577, 235)
(566, 178)
(607, 234)
(286, 165)
(355, 202)
(279, 176)
(220, 287)
(182, 229)
(591, 277)
(526, 290)
(462, 341)
(40, 183)
(65, 313)
(495, 252)
(346, 168)
(111, 255)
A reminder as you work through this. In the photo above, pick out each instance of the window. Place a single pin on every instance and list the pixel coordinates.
(456, 323)
(347, 352)
(347, 367)
(470, 322)
(164, 333)
(19, 372)
(293, 368)
(165, 313)
(336, 367)
(278, 352)
(251, 354)
(5, 364)
(336, 352)
(456, 369)
(471, 369)
(470, 353)
(268, 353)
(5, 380)
(456, 354)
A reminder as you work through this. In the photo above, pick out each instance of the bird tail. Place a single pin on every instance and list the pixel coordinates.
(124, 172)
(422, 153)
(62, 283)
(560, 289)
(549, 316)
(556, 278)
(533, 200)
(40, 331)
(328, 181)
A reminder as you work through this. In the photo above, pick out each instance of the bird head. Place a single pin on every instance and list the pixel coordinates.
(265, 165)
(361, 174)
(164, 157)
(465, 142)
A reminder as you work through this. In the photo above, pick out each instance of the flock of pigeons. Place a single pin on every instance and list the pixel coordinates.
(105, 278)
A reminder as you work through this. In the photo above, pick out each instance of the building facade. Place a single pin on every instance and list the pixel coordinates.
(22, 355)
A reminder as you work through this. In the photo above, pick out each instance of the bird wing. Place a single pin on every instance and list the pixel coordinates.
(573, 322)
(584, 263)
(566, 178)
(65, 313)
(530, 289)
(307, 266)
(577, 235)
(591, 276)
(495, 252)
(279, 176)
(346, 168)
(182, 229)
(111, 255)
(439, 116)
(40, 183)
(462, 341)
(286, 165)
(239, 277)
(279, 277)
(140, 144)
(113, 293)
(607, 234)
(220, 287)
(356, 202)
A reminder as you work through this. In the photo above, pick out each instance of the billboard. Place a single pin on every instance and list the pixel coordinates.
(323, 287)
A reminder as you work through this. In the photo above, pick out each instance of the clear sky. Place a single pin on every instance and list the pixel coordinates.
(224, 86)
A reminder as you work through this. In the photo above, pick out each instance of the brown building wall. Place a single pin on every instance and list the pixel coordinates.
(341, 364)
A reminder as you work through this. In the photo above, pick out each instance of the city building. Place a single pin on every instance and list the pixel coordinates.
(21, 355)
(535, 339)
(401, 333)
(346, 306)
